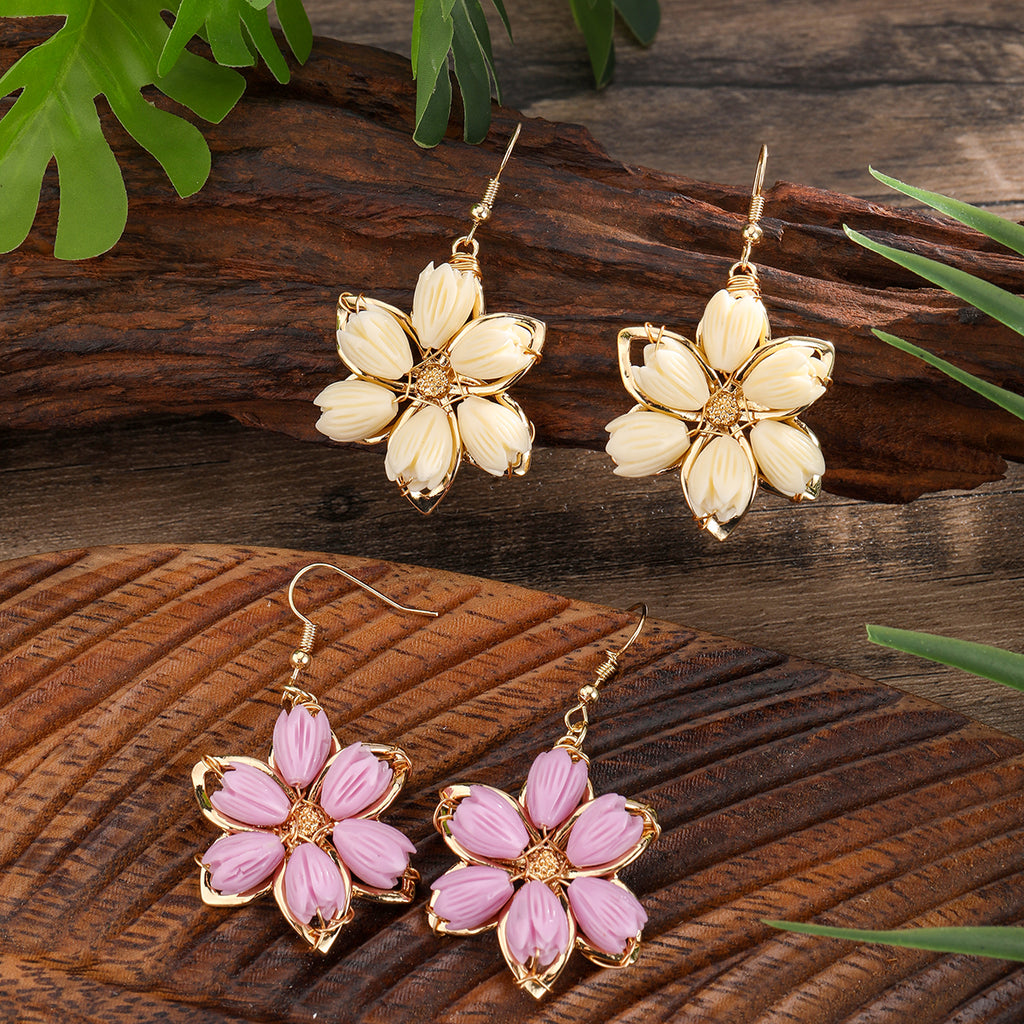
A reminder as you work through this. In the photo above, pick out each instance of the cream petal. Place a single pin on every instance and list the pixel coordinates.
(788, 378)
(373, 342)
(420, 450)
(490, 348)
(672, 376)
(720, 482)
(787, 457)
(731, 328)
(644, 442)
(443, 302)
(354, 410)
(495, 438)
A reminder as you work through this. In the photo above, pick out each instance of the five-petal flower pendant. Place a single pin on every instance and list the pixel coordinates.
(724, 410)
(304, 826)
(433, 383)
(542, 869)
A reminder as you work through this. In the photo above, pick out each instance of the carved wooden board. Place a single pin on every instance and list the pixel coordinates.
(785, 789)
(225, 302)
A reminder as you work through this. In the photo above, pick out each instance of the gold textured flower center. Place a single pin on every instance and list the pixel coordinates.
(543, 863)
(306, 821)
(433, 381)
(722, 409)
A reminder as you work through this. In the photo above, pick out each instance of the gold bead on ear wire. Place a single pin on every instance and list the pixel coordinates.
(302, 826)
(724, 410)
(433, 383)
(542, 869)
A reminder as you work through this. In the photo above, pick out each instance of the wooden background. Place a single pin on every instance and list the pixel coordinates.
(784, 790)
(929, 92)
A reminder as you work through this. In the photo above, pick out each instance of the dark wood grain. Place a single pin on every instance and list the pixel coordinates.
(228, 307)
(784, 788)
(927, 90)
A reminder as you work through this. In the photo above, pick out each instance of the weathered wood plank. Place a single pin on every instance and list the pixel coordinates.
(784, 789)
(224, 310)
(926, 91)
(802, 579)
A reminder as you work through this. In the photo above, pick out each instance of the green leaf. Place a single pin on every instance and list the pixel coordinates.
(472, 69)
(199, 85)
(105, 48)
(503, 14)
(257, 26)
(1008, 400)
(999, 229)
(993, 663)
(1002, 942)
(230, 26)
(459, 28)
(296, 27)
(596, 20)
(432, 112)
(433, 30)
(642, 18)
(223, 33)
(1004, 306)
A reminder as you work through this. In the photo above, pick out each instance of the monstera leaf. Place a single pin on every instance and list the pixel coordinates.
(234, 27)
(116, 49)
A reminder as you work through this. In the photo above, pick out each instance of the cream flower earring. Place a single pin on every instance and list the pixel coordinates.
(724, 410)
(433, 383)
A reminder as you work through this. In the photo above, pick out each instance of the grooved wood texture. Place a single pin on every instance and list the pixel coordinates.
(785, 789)
(226, 302)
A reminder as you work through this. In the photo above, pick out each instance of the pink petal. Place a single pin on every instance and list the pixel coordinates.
(469, 897)
(373, 851)
(603, 832)
(536, 925)
(606, 913)
(251, 797)
(355, 779)
(243, 861)
(301, 744)
(554, 787)
(312, 882)
(487, 824)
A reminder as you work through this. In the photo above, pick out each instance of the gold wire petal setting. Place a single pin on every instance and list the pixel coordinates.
(545, 859)
(733, 347)
(448, 311)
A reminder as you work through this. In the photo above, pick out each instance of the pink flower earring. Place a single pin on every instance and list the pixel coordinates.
(304, 825)
(542, 869)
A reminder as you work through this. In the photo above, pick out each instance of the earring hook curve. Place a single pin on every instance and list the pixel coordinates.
(352, 579)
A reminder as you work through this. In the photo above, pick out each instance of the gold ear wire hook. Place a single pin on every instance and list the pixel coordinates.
(481, 211)
(301, 655)
(753, 232)
(577, 718)
(611, 658)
